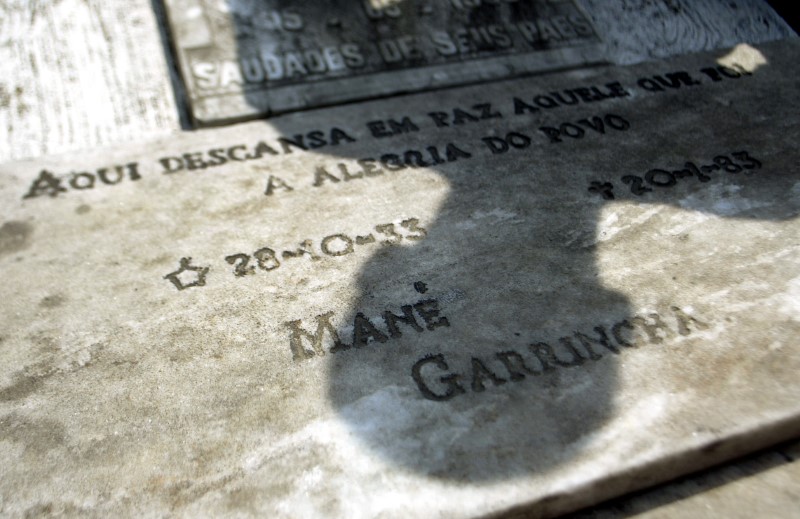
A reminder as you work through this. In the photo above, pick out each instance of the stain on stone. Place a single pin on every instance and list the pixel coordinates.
(53, 301)
(83, 209)
(182, 347)
(57, 509)
(39, 510)
(5, 98)
(180, 492)
(38, 436)
(21, 386)
(32, 378)
(47, 345)
(14, 236)
(163, 259)
(243, 500)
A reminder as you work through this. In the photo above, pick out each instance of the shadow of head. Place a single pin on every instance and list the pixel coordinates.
(485, 334)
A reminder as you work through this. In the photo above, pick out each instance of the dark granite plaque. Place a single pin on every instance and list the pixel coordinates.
(243, 58)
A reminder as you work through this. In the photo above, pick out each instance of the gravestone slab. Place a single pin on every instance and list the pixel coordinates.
(244, 58)
(525, 296)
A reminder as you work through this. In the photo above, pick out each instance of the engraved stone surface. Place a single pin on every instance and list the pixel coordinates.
(244, 58)
(528, 295)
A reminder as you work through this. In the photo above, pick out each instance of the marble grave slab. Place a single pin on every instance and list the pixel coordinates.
(524, 296)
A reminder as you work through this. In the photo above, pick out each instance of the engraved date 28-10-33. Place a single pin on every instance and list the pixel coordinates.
(267, 259)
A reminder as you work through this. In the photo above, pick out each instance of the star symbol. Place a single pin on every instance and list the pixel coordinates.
(604, 189)
(186, 266)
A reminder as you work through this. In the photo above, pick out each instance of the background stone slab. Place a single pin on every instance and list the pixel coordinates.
(162, 399)
(240, 59)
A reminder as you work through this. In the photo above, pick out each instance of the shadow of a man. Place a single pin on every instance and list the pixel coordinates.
(486, 340)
